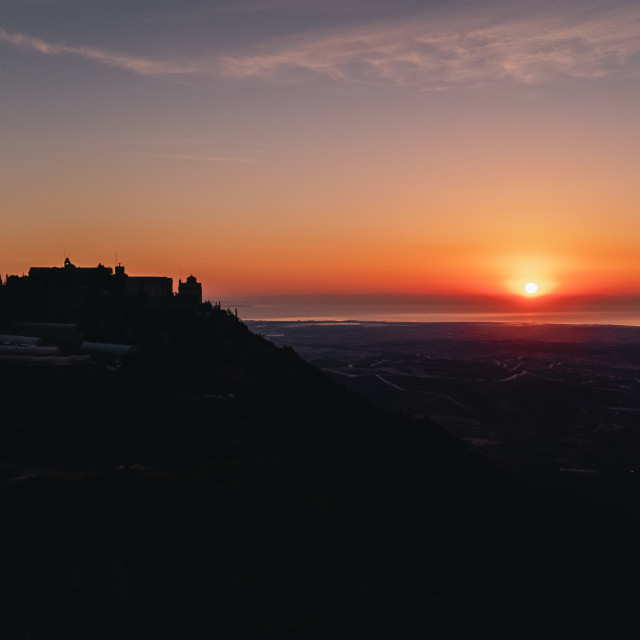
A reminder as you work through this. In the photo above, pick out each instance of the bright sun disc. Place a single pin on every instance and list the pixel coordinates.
(531, 288)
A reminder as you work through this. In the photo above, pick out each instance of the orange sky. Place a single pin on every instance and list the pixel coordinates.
(328, 153)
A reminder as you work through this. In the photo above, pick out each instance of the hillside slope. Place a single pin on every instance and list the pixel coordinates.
(214, 479)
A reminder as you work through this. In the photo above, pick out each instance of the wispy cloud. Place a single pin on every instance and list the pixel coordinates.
(144, 66)
(223, 159)
(191, 149)
(425, 51)
(439, 54)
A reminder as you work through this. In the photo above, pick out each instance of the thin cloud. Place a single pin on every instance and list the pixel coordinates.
(425, 51)
(143, 66)
(191, 150)
(202, 158)
(422, 52)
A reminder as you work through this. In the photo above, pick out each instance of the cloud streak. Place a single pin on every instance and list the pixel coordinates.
(224, 159)
(424, 51)
(143, 66)
(438, 55)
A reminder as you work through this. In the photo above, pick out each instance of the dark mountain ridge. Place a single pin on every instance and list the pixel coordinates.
(212, 480)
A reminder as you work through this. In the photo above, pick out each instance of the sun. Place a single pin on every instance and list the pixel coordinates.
(531, 283)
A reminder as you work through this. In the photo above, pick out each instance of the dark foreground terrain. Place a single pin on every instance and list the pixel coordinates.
(213, 485)
(560, 403)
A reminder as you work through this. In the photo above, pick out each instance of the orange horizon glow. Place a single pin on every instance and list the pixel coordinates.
(373, 229)
(318, 174)
(271, 273)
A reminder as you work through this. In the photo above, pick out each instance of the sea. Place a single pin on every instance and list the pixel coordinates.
(393, 308)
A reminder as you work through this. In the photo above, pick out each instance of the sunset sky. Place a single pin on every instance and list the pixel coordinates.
(324, 146)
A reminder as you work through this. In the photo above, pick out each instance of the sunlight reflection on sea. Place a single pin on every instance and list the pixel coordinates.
(375, 309)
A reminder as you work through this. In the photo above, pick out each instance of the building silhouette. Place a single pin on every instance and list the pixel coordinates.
(72, 284)
(154, 287)
(190, 290)
(62, 291)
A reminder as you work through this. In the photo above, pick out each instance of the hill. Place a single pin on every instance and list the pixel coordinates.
(212, 480)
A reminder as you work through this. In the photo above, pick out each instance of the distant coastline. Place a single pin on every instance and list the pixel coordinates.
(372, 308)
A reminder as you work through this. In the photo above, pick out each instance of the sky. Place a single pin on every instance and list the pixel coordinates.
(325, 147)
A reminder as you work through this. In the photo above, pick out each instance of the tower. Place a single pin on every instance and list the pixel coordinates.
(190, 290)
